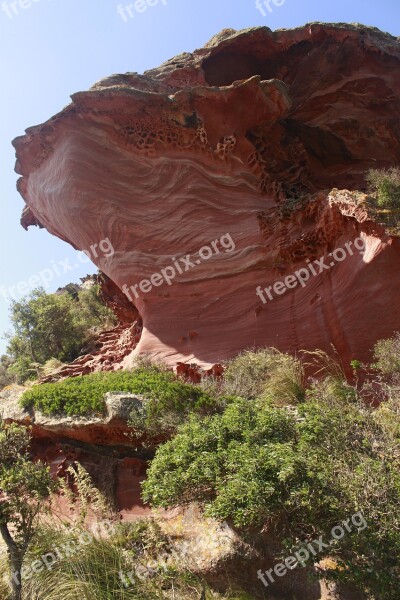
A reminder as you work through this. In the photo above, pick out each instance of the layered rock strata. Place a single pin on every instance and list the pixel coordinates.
(198, 173)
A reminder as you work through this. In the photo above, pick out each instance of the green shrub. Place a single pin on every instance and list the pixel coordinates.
(387, 355)
(6, 376)
(302, 472)
(265, 373)
(78, 396)
(386, 184)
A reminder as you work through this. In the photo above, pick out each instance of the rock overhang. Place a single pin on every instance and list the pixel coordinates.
(167, 162)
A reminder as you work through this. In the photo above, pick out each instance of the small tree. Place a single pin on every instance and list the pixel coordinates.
(53, 326)
(24, 486)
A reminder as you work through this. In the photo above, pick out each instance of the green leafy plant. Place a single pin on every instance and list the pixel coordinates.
(53, 327)
(167, 399)
(24, 486)
(386, 184)
(300, 471)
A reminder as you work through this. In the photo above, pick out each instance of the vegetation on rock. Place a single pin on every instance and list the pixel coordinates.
(384, 201)
(166, 396)
(264, 446)
(386, 184)
(115, 567)
(301, 468)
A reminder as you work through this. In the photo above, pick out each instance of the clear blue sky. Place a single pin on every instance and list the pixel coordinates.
(56, 47)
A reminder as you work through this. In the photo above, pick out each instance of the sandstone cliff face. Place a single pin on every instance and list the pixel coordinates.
(210, 150)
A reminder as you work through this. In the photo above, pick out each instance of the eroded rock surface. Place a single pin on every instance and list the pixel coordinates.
(222, 556)
(103, 444)
(111, 346)
(223, 141)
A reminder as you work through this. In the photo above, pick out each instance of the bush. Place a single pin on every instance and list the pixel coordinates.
(109, 568)
(387, 355)
(265, 373)
(302, 472)
(386, 184)
(79, 396)
(22, 369)
(237, 463)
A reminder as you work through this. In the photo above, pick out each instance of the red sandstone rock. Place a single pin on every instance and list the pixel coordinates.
(112, 346)
(214, 143)
(103, 444)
